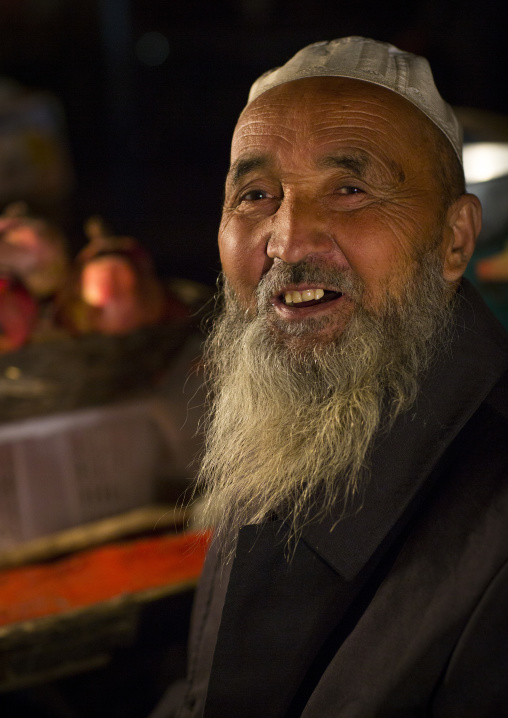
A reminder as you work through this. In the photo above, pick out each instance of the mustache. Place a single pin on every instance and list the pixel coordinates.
(281, 275)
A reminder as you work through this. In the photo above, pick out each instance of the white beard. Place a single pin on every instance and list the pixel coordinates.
(292, 420)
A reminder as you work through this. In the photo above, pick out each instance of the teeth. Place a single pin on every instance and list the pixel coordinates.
(307, 295)
(293, 297)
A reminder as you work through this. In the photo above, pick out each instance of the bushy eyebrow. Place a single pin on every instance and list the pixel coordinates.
(243, 165)
(357, 164)
(361, 166)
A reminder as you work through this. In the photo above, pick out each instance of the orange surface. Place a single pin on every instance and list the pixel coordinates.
(99, 574)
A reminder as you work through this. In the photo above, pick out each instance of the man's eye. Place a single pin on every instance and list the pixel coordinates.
(349, 189)
(253, 195)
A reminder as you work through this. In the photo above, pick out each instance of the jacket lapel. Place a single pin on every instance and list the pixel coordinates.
(278, 612)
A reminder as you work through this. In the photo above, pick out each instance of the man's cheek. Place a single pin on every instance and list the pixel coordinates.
(243, 273)
(243, 292)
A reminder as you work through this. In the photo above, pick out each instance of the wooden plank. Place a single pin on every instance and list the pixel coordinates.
(101, 574)
(146, 519)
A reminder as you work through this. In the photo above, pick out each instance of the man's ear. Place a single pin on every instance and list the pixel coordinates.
(463, 224)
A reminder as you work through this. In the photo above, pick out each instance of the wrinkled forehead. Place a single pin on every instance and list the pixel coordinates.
(326, 108)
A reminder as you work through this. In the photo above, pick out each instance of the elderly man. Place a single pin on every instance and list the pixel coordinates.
(356, 468)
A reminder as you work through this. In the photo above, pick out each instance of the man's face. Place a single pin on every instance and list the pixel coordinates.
(333, 173)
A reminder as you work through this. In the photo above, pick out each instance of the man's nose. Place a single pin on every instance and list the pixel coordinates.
(298, 231)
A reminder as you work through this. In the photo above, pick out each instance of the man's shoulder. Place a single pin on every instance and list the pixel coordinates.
(476, 319)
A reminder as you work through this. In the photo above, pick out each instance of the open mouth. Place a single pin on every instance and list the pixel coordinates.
(308, 297)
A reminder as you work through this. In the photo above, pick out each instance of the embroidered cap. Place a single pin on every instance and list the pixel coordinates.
(380, 63)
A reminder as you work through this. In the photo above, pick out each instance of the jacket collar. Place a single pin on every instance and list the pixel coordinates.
(402, 462)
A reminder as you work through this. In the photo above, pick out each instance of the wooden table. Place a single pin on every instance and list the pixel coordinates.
(68, 613)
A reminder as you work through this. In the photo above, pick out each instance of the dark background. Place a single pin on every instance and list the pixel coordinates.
(149, 128)
(150, 142)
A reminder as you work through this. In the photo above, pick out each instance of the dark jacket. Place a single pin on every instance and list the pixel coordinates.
(398, 609)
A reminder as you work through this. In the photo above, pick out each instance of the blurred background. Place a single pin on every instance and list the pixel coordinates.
(115, 123)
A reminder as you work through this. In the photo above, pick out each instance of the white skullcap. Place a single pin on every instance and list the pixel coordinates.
(380, 63)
